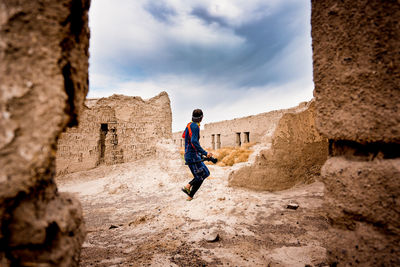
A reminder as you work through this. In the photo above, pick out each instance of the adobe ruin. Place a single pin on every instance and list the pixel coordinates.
(290, 150)
(357, 77)
(234, 133)
(44, 80)
(113, 130)
(295, 155)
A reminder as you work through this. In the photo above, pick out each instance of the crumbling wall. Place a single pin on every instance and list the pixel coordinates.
(230, 133)
(43, 81)
(296, 155)
(114, 130)
(356, 75)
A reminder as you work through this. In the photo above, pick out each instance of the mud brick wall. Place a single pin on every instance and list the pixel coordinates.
(230, 133)
(43, 83)
(114, 130)
(296, 155)
(357, 89)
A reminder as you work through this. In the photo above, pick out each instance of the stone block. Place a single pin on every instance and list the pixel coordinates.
(357, 69)
(364, 245)
(356, 76)
(363, 191)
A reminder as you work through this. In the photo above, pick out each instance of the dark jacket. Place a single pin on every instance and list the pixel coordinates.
(193, 150)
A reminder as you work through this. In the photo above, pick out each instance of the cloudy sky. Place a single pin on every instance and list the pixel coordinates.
(231, 58)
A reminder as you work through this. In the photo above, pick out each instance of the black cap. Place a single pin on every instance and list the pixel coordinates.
(197, 115)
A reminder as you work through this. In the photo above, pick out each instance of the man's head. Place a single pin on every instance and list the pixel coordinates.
(197, 115)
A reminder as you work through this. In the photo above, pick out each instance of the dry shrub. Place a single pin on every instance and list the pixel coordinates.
(243, 155)
(227, 156)
(221, 153)
(236, 156)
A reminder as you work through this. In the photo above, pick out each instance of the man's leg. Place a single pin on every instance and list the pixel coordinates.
(193, 184)
(200, 172)
(196, 183)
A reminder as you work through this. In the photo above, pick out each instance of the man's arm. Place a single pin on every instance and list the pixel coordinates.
(195, 139)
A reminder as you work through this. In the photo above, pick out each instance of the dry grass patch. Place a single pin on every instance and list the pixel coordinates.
(228, 156)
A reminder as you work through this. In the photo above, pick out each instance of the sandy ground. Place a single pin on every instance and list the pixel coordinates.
(136, 215)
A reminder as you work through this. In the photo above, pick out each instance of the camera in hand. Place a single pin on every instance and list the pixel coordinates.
(212, 159)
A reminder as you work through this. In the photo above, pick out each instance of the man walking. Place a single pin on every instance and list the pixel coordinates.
(194, 153)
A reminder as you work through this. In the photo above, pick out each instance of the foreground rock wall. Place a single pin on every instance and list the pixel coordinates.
(43, 82)
(296, 155)
(357, 77)
(113, 130)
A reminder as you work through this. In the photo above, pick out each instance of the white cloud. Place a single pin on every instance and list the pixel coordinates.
(235, 12)
(125, 36)
(190, 30)
(128, 29)
(124, 26)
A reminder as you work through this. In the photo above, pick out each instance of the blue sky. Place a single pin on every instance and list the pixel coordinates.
(230, 58)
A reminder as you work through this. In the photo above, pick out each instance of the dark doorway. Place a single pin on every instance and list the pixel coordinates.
(102, 141)
(247, 137)
(238, 140)
(104, 127)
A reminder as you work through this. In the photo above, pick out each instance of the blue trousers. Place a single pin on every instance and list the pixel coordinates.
(200, 172)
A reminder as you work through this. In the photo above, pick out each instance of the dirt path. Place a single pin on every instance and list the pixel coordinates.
(152, 224)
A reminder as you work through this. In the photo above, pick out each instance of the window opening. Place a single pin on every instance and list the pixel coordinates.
(247, 137)
(103, 134)
(238, 140)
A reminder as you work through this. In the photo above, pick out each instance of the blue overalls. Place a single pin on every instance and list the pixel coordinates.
(193, 153)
